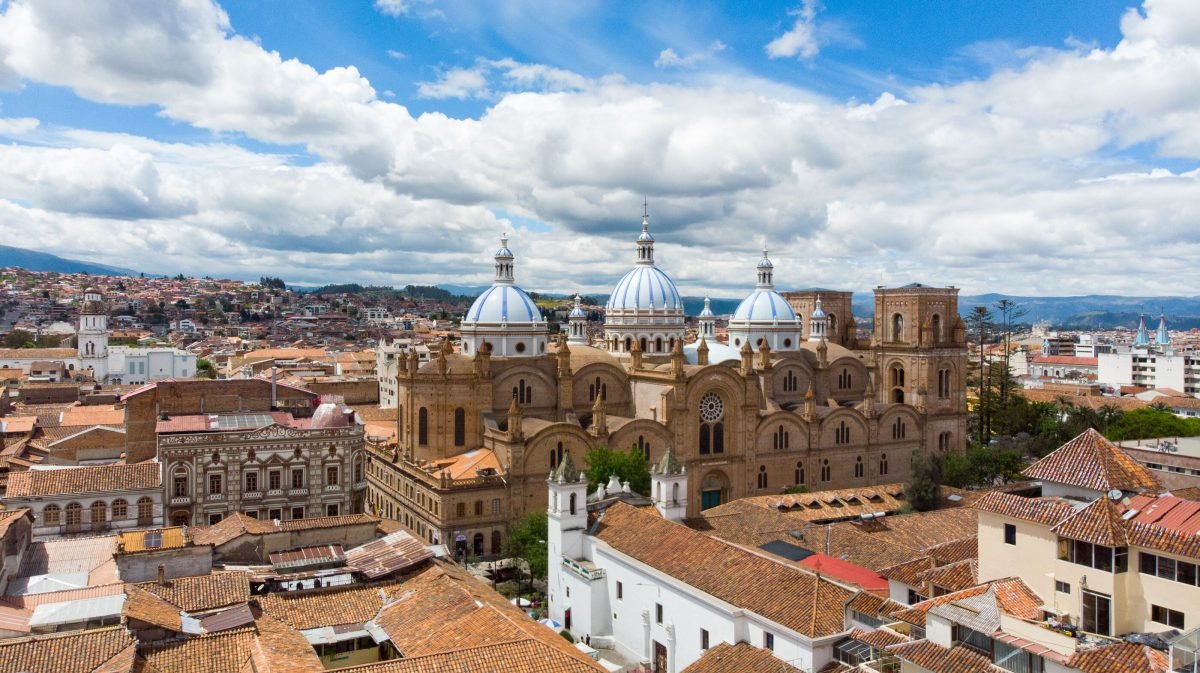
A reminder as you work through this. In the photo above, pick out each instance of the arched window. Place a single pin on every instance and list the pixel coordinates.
(944, 441)
(883, 465)
(859, 470)
(936, 323)
(897, 327)
(762, 476)
(145, 511)
(826, 472)
(943, 385)
(658, 345)
(422, 426)
(556, 455)
(571, 504)
(845, 379)
(644, 446)
(628, 344)
(899, 429)
(789, 381)
(831, 321)
(99, 513)
(718, 437)
(799, 473)
(460, 426)
(898, 396)
(705, 438)
(496, 546)
(897, 373)
(675, 493)
(120, 509)
(642, 343)
(780, 439)
(51, 515)
(74, 514)
(841, 434)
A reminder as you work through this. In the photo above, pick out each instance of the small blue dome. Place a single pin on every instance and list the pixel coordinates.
(503, 304)
(645, 287)
(764, 306)
(578, 311)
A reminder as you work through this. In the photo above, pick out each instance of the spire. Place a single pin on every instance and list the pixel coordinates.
(702, 352)
(669, 464)
(1162, 338)
(514, 420)
(599, 426)
(1143, 337)
(677, 359)
(645, 242)
(504, 262)
(766, 273)
(566, 472)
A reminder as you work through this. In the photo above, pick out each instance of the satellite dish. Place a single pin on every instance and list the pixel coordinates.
(1115, 494)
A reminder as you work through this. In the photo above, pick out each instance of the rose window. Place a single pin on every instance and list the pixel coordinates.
(711, 407)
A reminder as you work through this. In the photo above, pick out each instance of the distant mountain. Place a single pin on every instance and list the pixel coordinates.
(1096, 311)
(41, 261)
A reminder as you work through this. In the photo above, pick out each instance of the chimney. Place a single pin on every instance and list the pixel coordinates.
(162, 575)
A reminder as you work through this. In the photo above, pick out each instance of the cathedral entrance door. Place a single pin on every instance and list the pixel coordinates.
(660, 657)
(710, 499)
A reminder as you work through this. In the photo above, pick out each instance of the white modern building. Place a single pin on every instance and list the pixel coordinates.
(661, 593)
(1151, 362)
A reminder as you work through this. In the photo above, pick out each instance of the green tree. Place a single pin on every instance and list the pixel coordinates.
(922, 487)
(629, 466)
(527, 544)
(18, 338)
(205, 369)
(979, 325)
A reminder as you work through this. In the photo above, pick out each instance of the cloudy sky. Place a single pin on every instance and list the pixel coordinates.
(1024, 146)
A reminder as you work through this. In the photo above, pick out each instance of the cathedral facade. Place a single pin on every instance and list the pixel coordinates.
(790, 399)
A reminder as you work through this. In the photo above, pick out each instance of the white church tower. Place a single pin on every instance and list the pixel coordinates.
(668, 484)
(92, 336)
(818, 323)
(566, 514)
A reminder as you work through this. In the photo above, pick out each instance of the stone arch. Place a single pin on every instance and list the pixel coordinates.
(853, 420)
(612, 378)
(849, 370)
(656, 434)
(722, 439)
(914, 429)
(535, 460)
(542, 385)
(766, 434)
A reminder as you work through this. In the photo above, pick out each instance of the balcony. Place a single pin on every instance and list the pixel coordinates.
(215, 497)
(297, 491)
(274, 492)
(332, 488)
(252, 495)
(360, 485)
(584, 569)
(181, 500)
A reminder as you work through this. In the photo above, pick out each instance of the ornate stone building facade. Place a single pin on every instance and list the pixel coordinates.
(480, 432)
(266, 465)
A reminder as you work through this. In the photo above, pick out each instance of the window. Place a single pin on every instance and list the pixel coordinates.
(331, 509)
(1168, 568)
(897, 327)
(762, 476)
(883, 464)
(1015, 659)
(297, 478)
(120, 509)
(704, 639)
(252, 513)
(331, 476)
(181, 486)
(943, 385)
(422, 426)
(297, 512)
(899, 429)
(975, 640)
(214, 519)
(460, 427)
(841, 434)
(1172, 618)
(275, 514)
(99, 512)
(799, 473)
(944, 441)
(1062, 587)
(274, 480)
(658, 613)
(914, 597)
(74, 514)
(478, 508)
(1010, 534)
(145, 511)
(251, 482)
(826, 472)
(845, 379)
(643, 447)
(495, 505)
(780, 440)
(620, 591)
(358, 470)
(50, 515)
(1107, 559)
(859, 471)
(460, 509)
(768, 640)
(789, 381)
(1097, 613)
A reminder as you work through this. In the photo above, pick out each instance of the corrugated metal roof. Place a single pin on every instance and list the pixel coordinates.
(227, 619)
(77, 611)
(388, 554)
(307, 556)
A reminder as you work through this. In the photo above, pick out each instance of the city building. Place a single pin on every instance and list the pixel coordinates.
(91, 499)
(268, 465)
(480, 429)
(1151, 362)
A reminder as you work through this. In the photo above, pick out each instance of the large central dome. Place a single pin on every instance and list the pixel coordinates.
(764, 315)
(645, 307)
(504, 319)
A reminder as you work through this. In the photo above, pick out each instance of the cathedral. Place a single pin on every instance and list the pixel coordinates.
(792, 398)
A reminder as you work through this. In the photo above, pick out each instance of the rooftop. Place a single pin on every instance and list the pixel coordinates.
(1091, 461)
(87, 479)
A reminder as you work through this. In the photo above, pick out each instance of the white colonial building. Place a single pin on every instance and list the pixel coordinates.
(659, 592)
(90, 499)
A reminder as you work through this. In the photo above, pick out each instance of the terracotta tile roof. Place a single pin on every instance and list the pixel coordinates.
(953, 576)
(331, 606)
(937, 659)
(37, 353)
(225, 651)
(1045, 511)
(279, 649)
(1099, 523)
(147, 607)
(203, 592)
(97, 415)
(90, 479)
(1189, 493)
(739, 658)
(1153, 537)
(1091, 461)
(955, 550)
(1124, 657)
(237, 524)
(121, 662)
(873, 605)
(525, 656)
(878, 638)
(77, 652)
(781, 593)
(909, 572)
(1012, 597)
